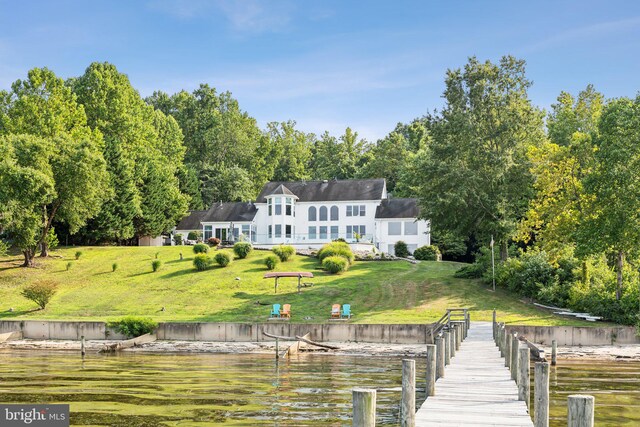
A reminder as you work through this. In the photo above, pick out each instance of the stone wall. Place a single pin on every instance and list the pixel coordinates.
(577, 336)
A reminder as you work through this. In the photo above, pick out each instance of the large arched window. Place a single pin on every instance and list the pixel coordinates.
(323, 213)
(334, 213)
(312, 213)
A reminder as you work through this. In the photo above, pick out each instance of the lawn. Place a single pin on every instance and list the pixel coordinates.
(379, 292)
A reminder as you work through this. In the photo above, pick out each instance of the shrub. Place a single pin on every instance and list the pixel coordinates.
(242, 249)
(155, 265)
(336, 249)
(284, 252)
(78, 254)
(213, 241)
(271, 261)
(194, 235)
(52, 239)
(114, 267)
(335, 264)
(157, 255)
(427, 253)
(200, 248)
(201, 262)
(40, 293)
(340, 239)
(400, 249)
(132, 327)
(223, 258)
(178, 239)
(4, 248)
(69, 264)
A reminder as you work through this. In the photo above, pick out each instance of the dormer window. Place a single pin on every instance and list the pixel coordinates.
(278, 205)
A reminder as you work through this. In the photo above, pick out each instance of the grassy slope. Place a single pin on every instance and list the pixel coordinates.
(379, 292)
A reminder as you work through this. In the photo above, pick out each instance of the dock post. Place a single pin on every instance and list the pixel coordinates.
(458, 327)
(503, 339)
(431, 370)
(554, 352)
(541, 395)
(447, 348)
(82, 352)
(452, 344)
(408, 406)
(439, 358)
(494, 325)
(524, 381)
(364, 407)
(515, 345)
(507, 354)
(580, 410)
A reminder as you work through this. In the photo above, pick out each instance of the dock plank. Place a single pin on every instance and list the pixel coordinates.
(477, 389)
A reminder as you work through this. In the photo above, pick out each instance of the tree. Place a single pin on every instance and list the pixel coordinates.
(476, 179)
(226, 184)
(611, 222)
(71, 152)
(337, 159)
(387, 160)
(292, 151)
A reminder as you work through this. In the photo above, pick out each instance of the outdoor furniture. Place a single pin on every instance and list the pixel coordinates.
(335, 311)
(275, 311)
(346, 311)
(279, 274)
(286, 311)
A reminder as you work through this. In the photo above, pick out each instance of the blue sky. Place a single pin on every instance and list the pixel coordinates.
(329, 64)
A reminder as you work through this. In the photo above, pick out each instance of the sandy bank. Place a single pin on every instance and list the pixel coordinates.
(606, 352)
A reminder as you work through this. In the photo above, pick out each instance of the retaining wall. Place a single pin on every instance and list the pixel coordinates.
(576, 335)
(226, 332)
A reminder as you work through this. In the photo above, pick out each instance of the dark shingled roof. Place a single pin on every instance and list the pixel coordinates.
(283, 191)
(230, 211)
(326, 191)
(398, 208)
(191, 221)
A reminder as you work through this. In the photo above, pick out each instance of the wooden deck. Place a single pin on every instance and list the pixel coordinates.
(477, 389)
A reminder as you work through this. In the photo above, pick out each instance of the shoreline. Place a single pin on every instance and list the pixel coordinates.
(629, 352)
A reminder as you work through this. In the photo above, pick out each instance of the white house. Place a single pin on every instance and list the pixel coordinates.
(311, 213)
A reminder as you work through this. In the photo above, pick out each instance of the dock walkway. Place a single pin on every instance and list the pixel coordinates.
(477, 389)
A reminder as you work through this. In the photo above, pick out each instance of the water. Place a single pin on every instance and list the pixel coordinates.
(150, 390)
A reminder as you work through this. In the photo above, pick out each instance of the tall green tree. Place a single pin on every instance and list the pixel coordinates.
(611, 222)
(476, 178)
(337, 158)
(42, 105)
(291, 149)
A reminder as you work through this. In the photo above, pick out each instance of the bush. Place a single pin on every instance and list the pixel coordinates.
(223, 258)
(69, 264)
(4, 248)
(114, 267)
(194, 235)
(427, 253)
(157, 255)
(40, 293)
(335, 264)
(178, 239)
(271, 262)
(78, 254)
(336, 249)
(52, 239)
(284, 252)
(155, 265)
(201, 262)
(213, 241)
(340, 239)
(132, 327)
(400, 249)
(200, 248)
(242, 249)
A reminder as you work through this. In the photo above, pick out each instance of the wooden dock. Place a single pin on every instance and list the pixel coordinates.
(477, 389)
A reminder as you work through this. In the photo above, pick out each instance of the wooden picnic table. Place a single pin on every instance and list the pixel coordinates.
(279, 274)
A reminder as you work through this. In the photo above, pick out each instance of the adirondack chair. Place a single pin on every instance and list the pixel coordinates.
(346, 311)
(275, 311)
(335, 311)
(286, 311)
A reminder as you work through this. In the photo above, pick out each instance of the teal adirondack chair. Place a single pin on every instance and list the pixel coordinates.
(275, 311)
(346, 311)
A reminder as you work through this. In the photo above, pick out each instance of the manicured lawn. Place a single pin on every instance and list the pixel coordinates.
(379, 292)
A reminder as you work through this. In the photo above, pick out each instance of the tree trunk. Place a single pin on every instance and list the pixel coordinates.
(45, 249)
(586, 275)
(28, 258)
(504, 251)
(619, 265)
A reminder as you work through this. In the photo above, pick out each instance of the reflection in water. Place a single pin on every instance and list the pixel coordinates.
(149, 390)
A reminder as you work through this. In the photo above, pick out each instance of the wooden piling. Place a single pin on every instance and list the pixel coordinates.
(494, 324)
(503, 340)
(554, 352)
(507, 354)
(447, 348)
(515, 344)
(408, 405)
(364, 407)
(580, 410)
(524, 380)
(431, 370)
(458, 335)
(277, 349)
(452, 345)
(82, 352)
(439, 358)
(541, 395)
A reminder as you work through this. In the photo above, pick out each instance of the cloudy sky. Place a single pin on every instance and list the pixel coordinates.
(326, 64)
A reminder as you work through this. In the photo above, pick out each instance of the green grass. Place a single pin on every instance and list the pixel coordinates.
(379, 292)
